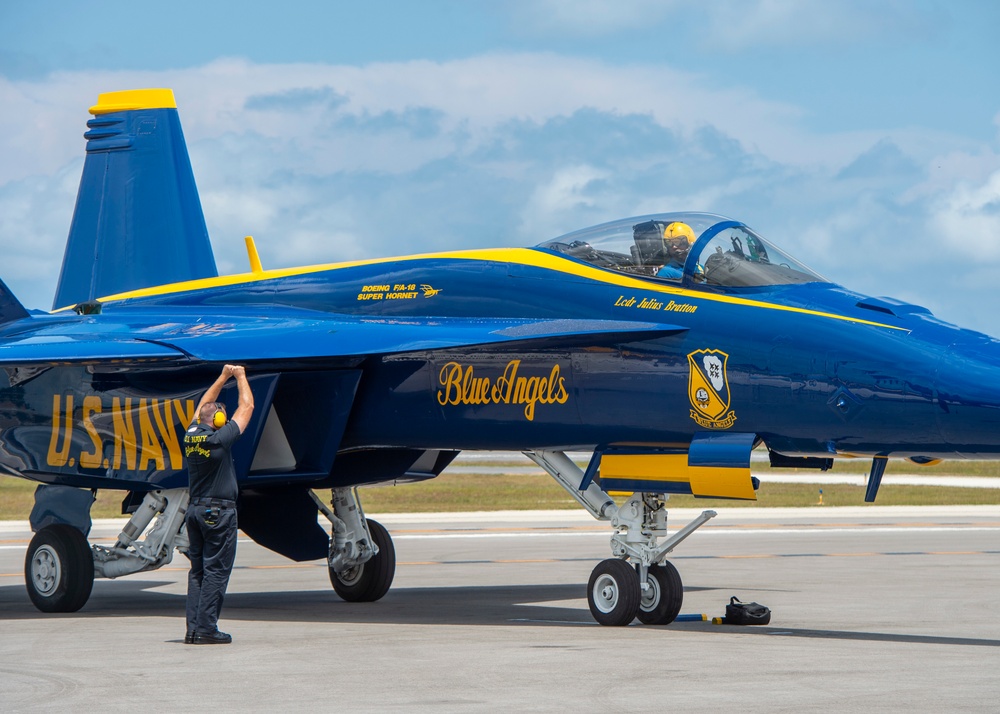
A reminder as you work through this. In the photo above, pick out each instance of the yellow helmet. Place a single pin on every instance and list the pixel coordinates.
(678, 230)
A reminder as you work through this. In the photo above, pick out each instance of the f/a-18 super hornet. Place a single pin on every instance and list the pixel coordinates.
(669, 346)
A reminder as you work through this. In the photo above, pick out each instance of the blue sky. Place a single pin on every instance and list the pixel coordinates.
(862, 137)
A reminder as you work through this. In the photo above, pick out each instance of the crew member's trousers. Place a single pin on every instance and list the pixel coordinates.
(211, 528)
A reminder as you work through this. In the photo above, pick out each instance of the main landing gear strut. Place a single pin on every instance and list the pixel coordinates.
(638, 581)
(60, 565)
(362, 559)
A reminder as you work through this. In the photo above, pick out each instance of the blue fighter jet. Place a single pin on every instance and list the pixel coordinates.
(669, 346)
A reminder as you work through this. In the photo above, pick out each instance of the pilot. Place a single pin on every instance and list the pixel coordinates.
(211, 515)
(677, 240)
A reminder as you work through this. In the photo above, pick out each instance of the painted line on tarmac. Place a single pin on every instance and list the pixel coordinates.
(589, 531)
(727, 530)
(539, 561)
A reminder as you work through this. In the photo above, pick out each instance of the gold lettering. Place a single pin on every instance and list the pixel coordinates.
(680, 307)
(151, 449)
(475, 390)
(461, 386)
(561, 396)
(91, 459)
(185, 410)
(124, 429)
(505, 385)
(448, 378)
(60, 456)
(165, 424)
(526, 392)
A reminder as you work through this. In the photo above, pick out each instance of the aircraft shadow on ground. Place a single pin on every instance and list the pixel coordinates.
(843, 635)
(455, 605)
(513, 605)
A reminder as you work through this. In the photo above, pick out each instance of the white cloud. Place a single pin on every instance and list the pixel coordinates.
(567, 192)
(473, 96)
(969, 220)
(324, 163)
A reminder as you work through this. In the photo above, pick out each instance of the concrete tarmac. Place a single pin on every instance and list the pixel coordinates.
(873, 609)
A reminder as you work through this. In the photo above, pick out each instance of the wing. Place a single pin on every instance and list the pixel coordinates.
(240, 335)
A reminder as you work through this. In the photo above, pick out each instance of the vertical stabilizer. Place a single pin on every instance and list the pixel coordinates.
(10, 308)
(138, 220)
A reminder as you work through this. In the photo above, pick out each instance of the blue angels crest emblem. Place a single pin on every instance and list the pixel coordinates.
(708, 389)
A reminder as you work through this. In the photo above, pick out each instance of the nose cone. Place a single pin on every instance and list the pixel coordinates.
(968, 386)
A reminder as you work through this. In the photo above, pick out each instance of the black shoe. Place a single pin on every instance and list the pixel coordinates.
(189, 638)
(212, 638)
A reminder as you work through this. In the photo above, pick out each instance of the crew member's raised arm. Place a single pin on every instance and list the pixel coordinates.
(244, 410)
(212, 394)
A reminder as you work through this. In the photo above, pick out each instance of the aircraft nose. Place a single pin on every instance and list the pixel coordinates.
(968, 386)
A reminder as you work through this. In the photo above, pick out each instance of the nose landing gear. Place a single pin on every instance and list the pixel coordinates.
(650, 587)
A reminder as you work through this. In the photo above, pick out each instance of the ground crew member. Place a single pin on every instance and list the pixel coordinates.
(211, 515)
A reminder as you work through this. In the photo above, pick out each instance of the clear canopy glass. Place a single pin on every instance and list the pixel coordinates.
(685, 247)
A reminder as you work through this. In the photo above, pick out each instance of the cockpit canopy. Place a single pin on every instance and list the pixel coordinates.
(685, 247)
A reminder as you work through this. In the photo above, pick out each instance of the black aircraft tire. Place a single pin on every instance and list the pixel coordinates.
(613, 593)
(369, 581)
(59, 569)
(661, 602)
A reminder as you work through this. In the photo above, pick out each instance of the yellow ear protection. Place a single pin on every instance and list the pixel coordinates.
(219, 418)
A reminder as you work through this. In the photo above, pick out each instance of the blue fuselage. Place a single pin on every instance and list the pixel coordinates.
(811, 369)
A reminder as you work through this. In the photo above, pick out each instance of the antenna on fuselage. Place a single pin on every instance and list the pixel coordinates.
(255, 265)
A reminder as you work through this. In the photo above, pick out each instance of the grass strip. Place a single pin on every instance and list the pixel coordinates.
(453, 492)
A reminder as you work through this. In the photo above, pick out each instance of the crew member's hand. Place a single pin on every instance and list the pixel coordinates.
(239, 371)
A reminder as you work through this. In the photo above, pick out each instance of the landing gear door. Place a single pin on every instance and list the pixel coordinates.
(303, 421)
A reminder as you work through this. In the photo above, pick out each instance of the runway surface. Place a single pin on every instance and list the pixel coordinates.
(874, 609)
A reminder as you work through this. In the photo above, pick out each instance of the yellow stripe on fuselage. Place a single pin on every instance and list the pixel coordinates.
(520, 256)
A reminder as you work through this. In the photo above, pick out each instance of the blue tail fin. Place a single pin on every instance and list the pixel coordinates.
(138, 220)
(11, 308)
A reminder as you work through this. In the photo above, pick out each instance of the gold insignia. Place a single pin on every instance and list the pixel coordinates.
(708, 389)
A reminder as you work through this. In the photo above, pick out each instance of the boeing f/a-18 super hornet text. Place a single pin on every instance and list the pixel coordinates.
(669, 345)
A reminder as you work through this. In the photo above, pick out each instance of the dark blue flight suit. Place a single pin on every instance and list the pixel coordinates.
(211, 522)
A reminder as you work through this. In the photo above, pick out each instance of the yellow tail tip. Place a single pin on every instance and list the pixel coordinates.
(132, 99)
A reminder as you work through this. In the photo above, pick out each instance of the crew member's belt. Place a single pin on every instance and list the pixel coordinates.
(214, 502)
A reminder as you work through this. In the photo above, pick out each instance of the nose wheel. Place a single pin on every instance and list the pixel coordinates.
(613, 593)
(661, 600)
(616, 596)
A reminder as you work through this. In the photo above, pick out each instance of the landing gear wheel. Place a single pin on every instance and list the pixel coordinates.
(369, 581)
(661, 601)
(59, 569)
(613, 593)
